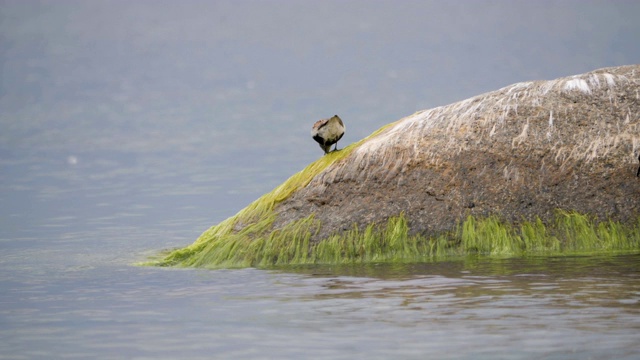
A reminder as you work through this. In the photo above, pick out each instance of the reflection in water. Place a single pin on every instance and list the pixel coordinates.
(557, 308)
(564, 281)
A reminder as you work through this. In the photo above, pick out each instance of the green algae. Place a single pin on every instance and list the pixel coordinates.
(259, 246)
(249, 238)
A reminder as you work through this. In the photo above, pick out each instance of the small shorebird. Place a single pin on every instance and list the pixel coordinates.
(327, 132)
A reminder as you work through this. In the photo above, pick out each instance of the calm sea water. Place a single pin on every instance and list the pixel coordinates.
(127, 128)
(69, 302)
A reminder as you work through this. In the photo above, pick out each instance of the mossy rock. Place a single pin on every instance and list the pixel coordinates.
(536, 167)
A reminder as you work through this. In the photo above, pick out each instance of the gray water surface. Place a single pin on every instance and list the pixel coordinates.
(130, 127)
(547, 308)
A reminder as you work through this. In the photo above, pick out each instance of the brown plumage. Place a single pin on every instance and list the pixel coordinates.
(327, 132)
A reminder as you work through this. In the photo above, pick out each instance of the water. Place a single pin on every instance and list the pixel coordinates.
(131, 127)
(557, 308)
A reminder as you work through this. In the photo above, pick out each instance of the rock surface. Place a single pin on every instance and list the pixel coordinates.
(519, 152)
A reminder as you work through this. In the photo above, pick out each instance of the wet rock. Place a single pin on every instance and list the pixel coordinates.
(519, 152)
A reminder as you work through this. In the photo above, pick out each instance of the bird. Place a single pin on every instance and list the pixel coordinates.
(327, 132)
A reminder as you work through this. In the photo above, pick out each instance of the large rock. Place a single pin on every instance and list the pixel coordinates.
(519, 152)
(506, 157)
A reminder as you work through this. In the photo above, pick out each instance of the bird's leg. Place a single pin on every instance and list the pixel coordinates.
(336, 148)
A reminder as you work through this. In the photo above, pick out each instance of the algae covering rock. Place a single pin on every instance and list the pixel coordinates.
(517, 154)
